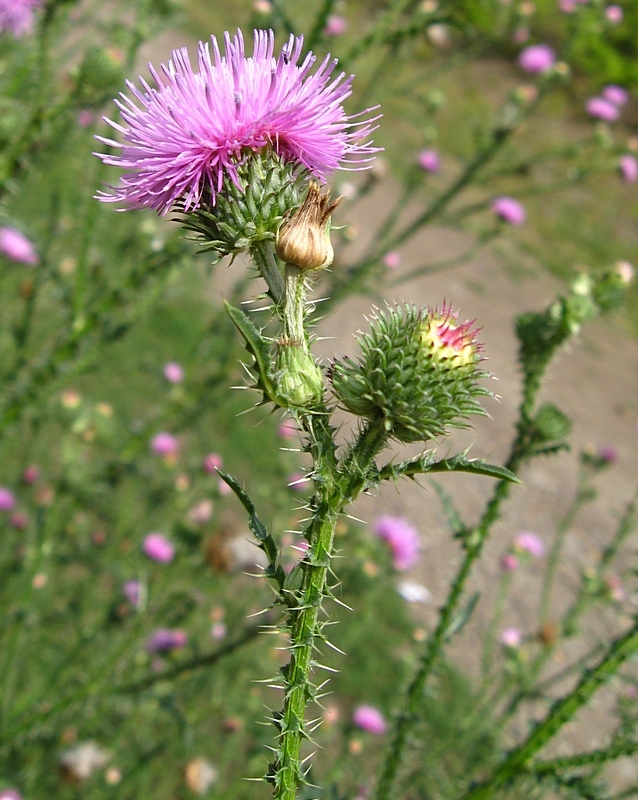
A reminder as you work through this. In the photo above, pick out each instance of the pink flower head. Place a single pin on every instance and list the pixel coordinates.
(536, 58)
(165, 444)
(614, 14)
(392, 260)
(212, 462)
(529, 543)
(192, 129)
(335, 25)
(10, 794)
(164, 639)
(173, 372)
(16, 16)
(600, 108)
(616, 95)
(16, 247)
(567, 6)
(509, 210)
(369, 719)
(132, 590)
(509, 562)
(511, 638)
(429, 161)
(402, 538)
(628, 166)
(30, 474)
(7, 499)
(158, 547)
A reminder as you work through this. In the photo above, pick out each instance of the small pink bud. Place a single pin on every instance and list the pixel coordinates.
(537, 58)
(165, 444)
(369, 719)
(7, 499)
(158, 547)
(429, 160)
(212, 462)
(173, 372)
(628, 166)
(16, 247)
(511, 638)
(509, 562)
(30, 474)
(600, 108)
(392, 260)
(529, 543)
(335, 25)
(509, 210)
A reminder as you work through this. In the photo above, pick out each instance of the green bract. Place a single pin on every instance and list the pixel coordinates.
(248, 214)
(418, 374)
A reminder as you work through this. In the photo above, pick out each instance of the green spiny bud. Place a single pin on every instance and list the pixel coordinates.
(298, 379)
(418, 373)
(251, 211)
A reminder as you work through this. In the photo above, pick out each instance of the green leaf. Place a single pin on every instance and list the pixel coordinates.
(449, 509)
(258, 529)
(258, 347)
(463, 616)
(461, 463)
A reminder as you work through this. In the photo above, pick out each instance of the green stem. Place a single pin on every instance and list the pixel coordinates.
(335, 486)
(266, 260)
(518, 760)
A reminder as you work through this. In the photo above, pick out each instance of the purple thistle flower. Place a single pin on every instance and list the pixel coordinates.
(10, 794)
(15, 245)
(529, 543)
(536, 58)
(402, 538)
(193, 129)
(429, 161)
(511, 638)
(173, 372)
(16, 16)
(369, 719)
(601, 108)
(628, 166)
(509, 210)
(165, 444)
(164, 639)
(7, 499)
(158, 548)
(616, 95)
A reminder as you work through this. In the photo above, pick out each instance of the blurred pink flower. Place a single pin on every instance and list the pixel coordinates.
(628, 166)
(212, 462)
(392, 260)
(509, 210)
(10, 794)
(16, 247)
(402, 538)
(173, 372)
(511, 637)
(614, 14)
(165, 639)
(287, 429)
(16, 16)
(600, 108)
(165, 444)
(335, 25)
(218, 631)
(86, 118)
(7, 499)
(616, 95)
(429, 160)
(369, 719)
(158, 547)
(527, 542)
(19, 521)
(567, 6)
(132, 591)
(536, 58)
(30, 474)
(509, 562)
(607, 453)
(201, 512)
(298, 482)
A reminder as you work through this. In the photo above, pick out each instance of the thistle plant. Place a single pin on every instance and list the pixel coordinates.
(237, 149)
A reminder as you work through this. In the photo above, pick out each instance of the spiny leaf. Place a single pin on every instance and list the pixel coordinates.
(258, 347)
(258, 529)
(461, 463)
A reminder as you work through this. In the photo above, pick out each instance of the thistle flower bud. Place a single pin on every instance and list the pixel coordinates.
(298, 378)
(418, 373)
(304, 238)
